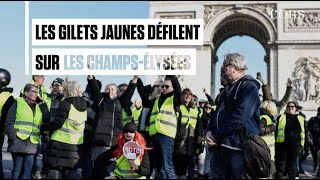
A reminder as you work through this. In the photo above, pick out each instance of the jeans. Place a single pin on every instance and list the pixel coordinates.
(163, 146)
(227, 163)
(22, 163)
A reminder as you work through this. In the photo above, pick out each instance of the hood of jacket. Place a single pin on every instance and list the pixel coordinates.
(79, 103)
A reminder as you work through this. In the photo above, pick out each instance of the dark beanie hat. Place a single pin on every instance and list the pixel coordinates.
(130, 126)
(58, 80)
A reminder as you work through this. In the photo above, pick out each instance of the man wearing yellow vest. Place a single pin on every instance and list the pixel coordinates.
(290, 136)
(64, 153)
(163, 125)
(6, 100)
(22, 125)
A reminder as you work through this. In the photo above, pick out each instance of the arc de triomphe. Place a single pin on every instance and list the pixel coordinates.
(288, 31)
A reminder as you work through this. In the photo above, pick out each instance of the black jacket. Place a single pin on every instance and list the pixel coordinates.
(5, 108)
(108, 118)
(61, 154)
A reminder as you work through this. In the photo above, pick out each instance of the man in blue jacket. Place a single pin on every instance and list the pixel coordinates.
(237, 109)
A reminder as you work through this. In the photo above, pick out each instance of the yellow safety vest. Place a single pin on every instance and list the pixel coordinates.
(136, 114)
(163, 120)
(269, 138)
(125, 118)
(122, 170)
(190, 115)
(4, 96)
(27, 123)
(200, 112)
(72, 129)
(282, 125)
(214, 107)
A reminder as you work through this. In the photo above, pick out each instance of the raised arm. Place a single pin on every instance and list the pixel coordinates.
(95, 90)
(125, 99)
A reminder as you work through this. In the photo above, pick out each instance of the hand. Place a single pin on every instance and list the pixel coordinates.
(211, 142)
(133, 165)
(259, 77)
(90, 77)
(39, 100)
(199, 140)
(66, 78)
(204, 90)
(289, 82)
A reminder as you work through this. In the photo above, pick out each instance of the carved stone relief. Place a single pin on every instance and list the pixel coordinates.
(175, 15)
(306, 80)
(268, 9)
(306, 20)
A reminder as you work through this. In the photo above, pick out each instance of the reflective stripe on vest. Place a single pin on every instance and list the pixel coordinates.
(123, 169)
(200, 112)
(27, 123)
(192, 115)
(136, 114)
(4, 96)
(163, 120)
(125, 118)
(72, 129)
(282, 125)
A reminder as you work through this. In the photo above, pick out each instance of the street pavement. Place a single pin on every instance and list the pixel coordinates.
(7, 165)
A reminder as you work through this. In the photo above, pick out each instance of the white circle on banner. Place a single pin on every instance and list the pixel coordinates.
(131, 150)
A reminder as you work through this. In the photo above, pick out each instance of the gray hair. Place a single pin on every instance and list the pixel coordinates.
(236, 60)
(72, 89)
(28, 87)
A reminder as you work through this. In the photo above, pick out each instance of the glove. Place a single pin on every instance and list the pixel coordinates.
(133, 165)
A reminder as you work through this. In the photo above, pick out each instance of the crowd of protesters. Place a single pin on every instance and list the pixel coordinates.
(180, 136)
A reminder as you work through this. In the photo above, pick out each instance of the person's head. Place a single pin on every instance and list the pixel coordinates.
(5, 78)
(207, 108)
(166, 86)
(112, 90)
(291, 107)
(195, 99)
(71, 89)
(57, 85)
(130, 133)
(233, 67)
(137, 103)
(202, 103)
(31, 92)
(38, 79)
(187, 97)
(270, 107)
(122, 88)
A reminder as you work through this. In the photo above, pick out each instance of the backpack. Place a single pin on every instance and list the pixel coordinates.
(257, 157)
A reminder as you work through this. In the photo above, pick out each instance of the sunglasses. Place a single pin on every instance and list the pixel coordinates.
(208, 107)
(165, 86)
(291, 106)
(128, 131)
